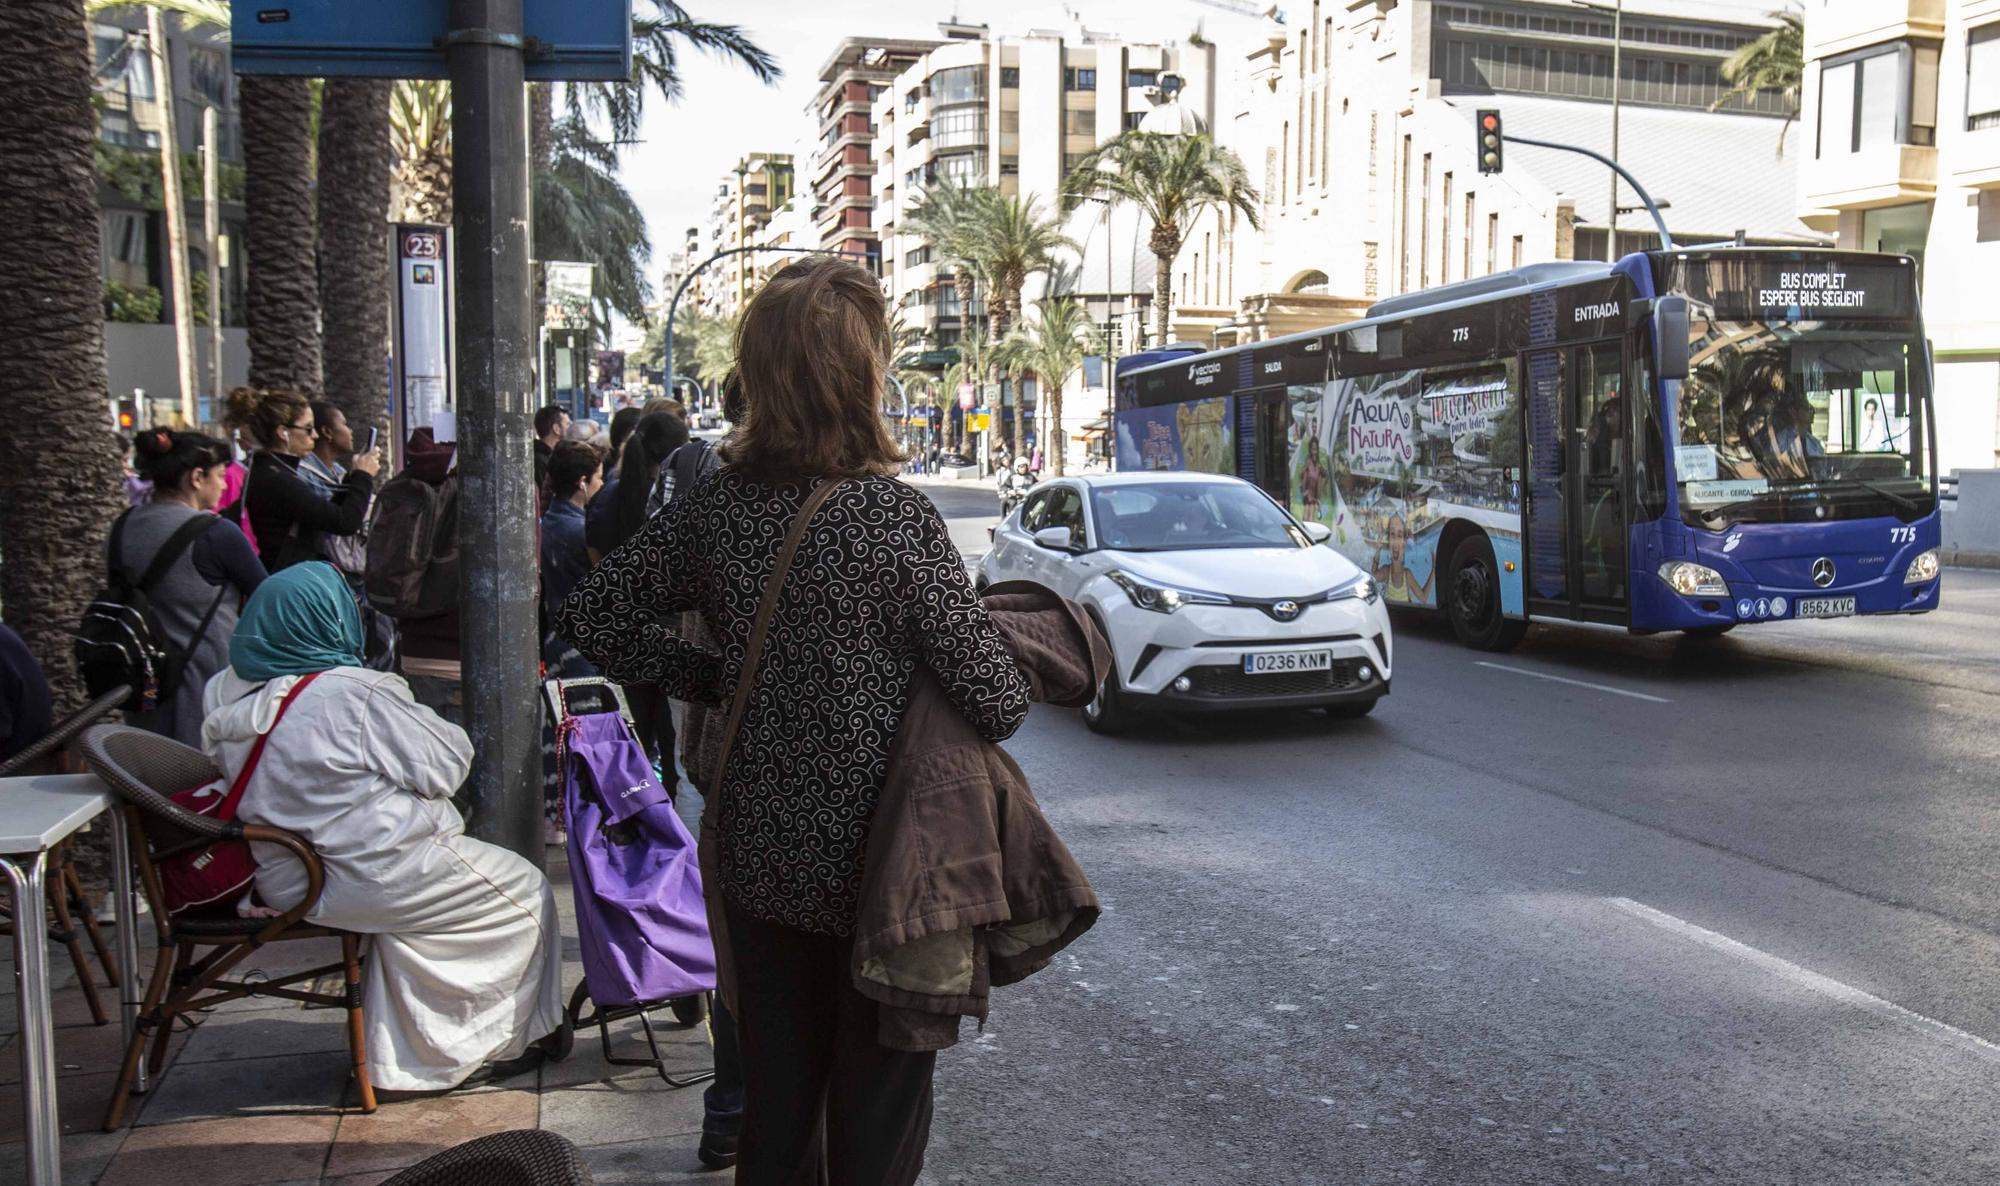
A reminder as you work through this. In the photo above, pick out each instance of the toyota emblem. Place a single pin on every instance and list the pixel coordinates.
(1285, 611)
(1822, 572)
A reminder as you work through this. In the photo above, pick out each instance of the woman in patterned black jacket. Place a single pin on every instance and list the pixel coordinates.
(877, 588)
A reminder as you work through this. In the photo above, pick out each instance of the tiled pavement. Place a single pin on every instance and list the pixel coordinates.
(258, 1095)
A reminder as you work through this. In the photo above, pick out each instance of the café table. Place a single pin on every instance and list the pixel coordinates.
(37, 813)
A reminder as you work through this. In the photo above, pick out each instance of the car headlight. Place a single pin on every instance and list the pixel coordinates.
(1693, 580)
(1923, 568)
(1361, 588)
(1161, 599)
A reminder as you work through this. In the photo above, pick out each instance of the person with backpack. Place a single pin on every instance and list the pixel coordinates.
(288, 515)
(176, 566)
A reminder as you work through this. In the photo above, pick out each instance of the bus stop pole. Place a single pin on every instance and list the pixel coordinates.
(498, 641)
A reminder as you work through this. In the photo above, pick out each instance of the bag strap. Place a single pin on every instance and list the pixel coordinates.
(228, 809)
(182, 538)
(746, 678)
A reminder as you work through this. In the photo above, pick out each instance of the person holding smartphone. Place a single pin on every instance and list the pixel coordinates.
(290, 514)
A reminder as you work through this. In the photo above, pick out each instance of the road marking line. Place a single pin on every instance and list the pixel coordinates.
(1805, 978)
(1575, 682)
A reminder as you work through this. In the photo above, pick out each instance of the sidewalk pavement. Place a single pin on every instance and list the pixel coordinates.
(258, 1094)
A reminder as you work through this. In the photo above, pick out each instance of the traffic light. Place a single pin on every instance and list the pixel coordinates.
(128, 415)
(1490, 140)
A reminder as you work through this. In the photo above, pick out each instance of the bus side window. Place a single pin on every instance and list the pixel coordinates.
(1649, 450)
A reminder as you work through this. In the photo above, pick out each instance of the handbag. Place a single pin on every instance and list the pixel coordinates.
(208, 871)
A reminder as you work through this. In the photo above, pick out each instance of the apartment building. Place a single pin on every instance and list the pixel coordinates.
(1901, 127)
(131, 101)
(1356, 120)
(852, 78)
(745, 201)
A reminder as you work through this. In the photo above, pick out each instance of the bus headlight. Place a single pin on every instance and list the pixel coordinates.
(1923, 568)
(1693, 580)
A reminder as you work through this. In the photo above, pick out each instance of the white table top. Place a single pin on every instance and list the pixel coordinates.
(41, 809)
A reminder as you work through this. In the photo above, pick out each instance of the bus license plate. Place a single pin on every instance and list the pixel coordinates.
(1826, 607)
(1270, 662)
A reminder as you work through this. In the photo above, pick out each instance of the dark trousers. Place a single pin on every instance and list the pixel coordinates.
(824, 1104)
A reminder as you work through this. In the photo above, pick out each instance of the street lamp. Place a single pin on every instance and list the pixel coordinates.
(1617, 12)
(673, 308)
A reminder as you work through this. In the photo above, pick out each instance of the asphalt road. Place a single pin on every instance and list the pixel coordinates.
(1605, 906)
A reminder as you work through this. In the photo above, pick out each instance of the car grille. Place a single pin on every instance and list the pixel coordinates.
(1233, 681)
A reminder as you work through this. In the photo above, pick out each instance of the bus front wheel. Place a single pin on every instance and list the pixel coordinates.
(1472, 598)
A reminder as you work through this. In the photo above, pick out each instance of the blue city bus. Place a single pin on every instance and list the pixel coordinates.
(1475, 446)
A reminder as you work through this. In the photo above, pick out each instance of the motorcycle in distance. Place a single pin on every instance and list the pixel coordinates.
(1014, 486)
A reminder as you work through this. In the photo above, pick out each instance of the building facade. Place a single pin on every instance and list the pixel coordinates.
(1901, 120)
(746, 199)
(1357, 122)
(858, 71)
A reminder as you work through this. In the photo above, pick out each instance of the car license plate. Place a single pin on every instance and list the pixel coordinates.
(1271, 662)
(1826, 607)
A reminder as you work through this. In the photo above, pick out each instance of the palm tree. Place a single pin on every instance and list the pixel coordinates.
(59, 463)
(1011, 359)
(659, 29)
(1172, 179)
(1053, 345)
(420, 136)
(1011, 237)
(1773, 62)
(355, 165)
(582, 212)
(944, 217)
(282, 297)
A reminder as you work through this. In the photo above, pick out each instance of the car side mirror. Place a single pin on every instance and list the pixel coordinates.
(1318, 533)
(1670, 335)
(1055, 539)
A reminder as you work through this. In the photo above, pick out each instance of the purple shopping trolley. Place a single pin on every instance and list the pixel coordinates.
(640, 919)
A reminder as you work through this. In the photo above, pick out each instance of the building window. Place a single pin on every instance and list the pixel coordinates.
(962, 169)
(1492, 243)
(921, 255)
(1444, 233)
(1079, 78)
(1885, 94)
(1010, 166)
(1133, 119)
(955, 129)
(1982, 78)
(1079, 122)
(1071, 160)
(1010, 76)
(960, 84)
(1424, 229)
(1142, 78)
(1517, 251)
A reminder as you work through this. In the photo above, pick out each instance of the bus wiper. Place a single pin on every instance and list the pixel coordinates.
(1903, 501)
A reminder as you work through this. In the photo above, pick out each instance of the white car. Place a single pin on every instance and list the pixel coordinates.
(1213, 596)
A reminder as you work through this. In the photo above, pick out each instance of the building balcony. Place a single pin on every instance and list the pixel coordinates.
(1843, 25)
(1878, 175)
(848, 107)
(1975, 159)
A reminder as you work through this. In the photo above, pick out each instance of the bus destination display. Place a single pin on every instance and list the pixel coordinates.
(1804, 290)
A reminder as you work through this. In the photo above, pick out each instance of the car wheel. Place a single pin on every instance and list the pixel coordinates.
(1708, 632)
(1472, 598)
(1108, 714)
(1350, 710)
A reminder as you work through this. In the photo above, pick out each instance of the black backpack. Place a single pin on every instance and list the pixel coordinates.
(413, 548)
(120, 641)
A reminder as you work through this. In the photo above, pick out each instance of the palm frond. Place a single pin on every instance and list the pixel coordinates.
(211, 13)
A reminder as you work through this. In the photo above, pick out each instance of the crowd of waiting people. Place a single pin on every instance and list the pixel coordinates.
(655, 553)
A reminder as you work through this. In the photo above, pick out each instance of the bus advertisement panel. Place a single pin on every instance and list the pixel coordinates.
(1197, 435)
(1386, 459)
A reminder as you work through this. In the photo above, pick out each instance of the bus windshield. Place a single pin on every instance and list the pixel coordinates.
(1802, 421)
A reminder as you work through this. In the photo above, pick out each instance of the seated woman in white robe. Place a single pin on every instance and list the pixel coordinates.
(465, 965)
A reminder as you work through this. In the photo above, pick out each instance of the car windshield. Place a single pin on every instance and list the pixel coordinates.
(1800, 421)
(1175, 516)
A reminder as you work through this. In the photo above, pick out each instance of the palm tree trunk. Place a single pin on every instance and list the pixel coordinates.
(542, 157)
(355, 162)
(1057, 446)
(283, 299)
(59, 459)
(1166, 243)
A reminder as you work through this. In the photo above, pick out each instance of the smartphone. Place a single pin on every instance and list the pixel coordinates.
(374, 433)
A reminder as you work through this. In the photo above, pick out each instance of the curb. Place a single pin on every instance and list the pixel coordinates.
(1982, 560)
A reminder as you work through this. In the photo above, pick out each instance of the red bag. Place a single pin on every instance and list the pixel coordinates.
(209, 872)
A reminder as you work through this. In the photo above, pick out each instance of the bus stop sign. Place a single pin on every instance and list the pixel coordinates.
(563, 40)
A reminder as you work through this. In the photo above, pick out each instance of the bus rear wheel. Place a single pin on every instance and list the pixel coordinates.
(1472, 598)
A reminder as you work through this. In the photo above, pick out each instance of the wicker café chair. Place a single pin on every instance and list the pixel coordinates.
(199, 948)
(67, 901)
(525, 1157)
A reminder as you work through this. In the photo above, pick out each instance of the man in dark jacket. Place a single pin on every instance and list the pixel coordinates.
(551, 422)
(25, 703)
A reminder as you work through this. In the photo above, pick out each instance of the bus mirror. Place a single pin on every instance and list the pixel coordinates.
(1670, 333)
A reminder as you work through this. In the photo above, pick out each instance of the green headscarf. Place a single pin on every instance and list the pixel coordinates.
(299, 621)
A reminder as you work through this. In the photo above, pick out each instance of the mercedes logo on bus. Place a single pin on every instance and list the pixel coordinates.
(1285, 611)
(1822, 572)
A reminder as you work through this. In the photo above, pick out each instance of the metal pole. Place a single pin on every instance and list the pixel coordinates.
(1666, 237)
(211, 231)
(1617, 92)
(497, 633)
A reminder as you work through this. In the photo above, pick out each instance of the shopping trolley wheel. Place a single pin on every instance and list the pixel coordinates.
(690, 1011)
(577, 1000)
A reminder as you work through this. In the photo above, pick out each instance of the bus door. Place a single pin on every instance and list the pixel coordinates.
(1577, 454)
(1273, 463)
